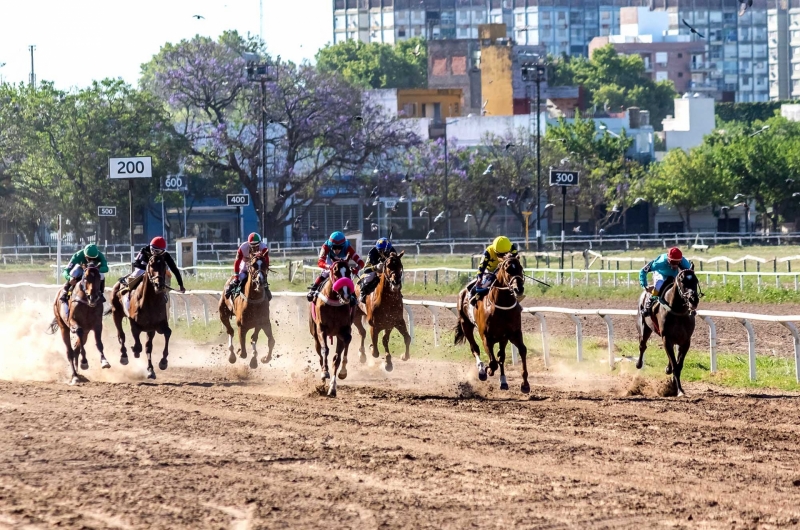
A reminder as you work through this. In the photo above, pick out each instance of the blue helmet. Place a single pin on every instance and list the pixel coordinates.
(382, 244)
(337, 239)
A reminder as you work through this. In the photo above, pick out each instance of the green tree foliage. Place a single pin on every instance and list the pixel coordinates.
(614, 82)
(748, 112)
(376, 65)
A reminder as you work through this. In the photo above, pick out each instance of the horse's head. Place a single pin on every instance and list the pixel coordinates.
(257, 269)
(510, 274)
(157, 272)
(688, 287)
(393, 269)
(339, 268)
(91, 284)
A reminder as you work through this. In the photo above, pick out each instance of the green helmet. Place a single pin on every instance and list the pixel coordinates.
(91, 251)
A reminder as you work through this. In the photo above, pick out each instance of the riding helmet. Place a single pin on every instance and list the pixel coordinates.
(337, 240)
(502, 245)
(382, 244)
(91, 251)
(254, 239)
(674, 254)
(158, 244)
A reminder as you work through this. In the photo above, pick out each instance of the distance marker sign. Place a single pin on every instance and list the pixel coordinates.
(134, 167)
(239, 199)
(563, 177)
(106, 211)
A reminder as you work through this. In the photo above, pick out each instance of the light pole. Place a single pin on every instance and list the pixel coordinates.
(746, 205)
(259, 71)
(604, 128)
(536, 71)
(724, 210)
(438, 130)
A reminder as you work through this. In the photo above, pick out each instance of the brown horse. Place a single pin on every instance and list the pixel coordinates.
(145, 306)
(384, 310)
(331, 315)
(498, 318)
(82, 314)
(673, 317)
(251, 309)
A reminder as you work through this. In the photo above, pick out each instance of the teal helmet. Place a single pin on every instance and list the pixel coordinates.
(91, 251)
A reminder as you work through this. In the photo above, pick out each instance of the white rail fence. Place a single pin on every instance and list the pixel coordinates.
(11, 294)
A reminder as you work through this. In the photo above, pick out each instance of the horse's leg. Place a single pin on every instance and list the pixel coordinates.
(347, 337)
(167, 332)
(337, 361)
(669, 347)
(98, 341)
(118, 315)
(469, 333)
(242, 339)
(148, 349)
(517, 340)
(489, 345)
(323, 354)
(373, 335)
(253, 341)
(385, 342)
(80, 347)
(644, 335)
(137, 344)
(401, 328)
(225, 316)
(501, 358)
(70, 354)
(683, 349)
(270, 341)
(358, 321)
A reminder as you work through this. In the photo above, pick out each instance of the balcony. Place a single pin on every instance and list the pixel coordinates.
(703, 67)
(704, 86)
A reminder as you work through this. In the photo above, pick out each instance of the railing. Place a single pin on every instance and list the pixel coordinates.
(434, 307)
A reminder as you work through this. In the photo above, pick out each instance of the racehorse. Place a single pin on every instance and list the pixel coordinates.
(331, 315)
(251, 309)
(498, 317)
(84, 313)
(384, 310)
(672, 318)
(145, 306)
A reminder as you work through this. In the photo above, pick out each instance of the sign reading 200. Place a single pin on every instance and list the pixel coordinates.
(135, 167)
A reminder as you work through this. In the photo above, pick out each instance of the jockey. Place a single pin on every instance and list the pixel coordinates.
(336, 247)
(254, 244)
(74, 270)
(157, 247)
(492, 256)
(377, 256)
(667, 265)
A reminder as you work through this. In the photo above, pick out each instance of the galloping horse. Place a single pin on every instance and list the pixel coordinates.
(384, 310)
(498, 318)
(251, 309)
(145, 306)
(331, 315)
(83, 313)
(673, 319)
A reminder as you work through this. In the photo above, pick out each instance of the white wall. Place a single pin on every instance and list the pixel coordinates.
(791, 112)
(694, 118)
(653, 23)
(703, 220)
(385, 97)
(469, 132)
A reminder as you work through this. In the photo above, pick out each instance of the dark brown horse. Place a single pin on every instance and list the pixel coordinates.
(498, 318)
(384, 310)
(82, 314)
(251, 309)
(331, 315)
(145, 306)
(673, 319)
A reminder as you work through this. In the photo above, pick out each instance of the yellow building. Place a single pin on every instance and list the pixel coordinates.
(437, 104)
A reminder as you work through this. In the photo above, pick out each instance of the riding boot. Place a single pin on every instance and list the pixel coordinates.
(313, 288)
(232, 287)
(366, 290)
(267, 293)
(103, 291)
(648, 306)
(65, 291)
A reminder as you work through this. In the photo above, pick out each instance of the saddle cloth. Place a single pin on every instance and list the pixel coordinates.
(126, 304)
(471, 313)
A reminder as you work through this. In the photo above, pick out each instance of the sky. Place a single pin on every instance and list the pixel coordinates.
(81, 40)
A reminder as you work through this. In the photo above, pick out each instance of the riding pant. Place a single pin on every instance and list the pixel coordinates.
(486, 280)
(77, 273)
(242, 271)
(658, 282)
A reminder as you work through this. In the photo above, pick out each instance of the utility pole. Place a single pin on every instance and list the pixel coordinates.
(33, 72)
(538, 161)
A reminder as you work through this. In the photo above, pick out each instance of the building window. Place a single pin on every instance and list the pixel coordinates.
(661, 57)
(680, 74)
(680, 56)
(662, 76)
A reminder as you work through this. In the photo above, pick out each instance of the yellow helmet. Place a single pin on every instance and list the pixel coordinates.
(502, 244)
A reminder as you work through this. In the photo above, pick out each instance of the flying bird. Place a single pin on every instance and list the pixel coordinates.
(367, 218)
(374, 192)
(509, 202)
(402, 199)
(485, 102)
(564, 161)
(358, 117)
(466, 217)
(298, 219)
(692, 29)
(346, 225)
(439, 217)
(353, 143)
(405, 179)
(423, 212)
(429, 234)
(314, 225)
(501, 198)
(602, 231)
(374, 227)
(375, 171)
(488, 170)
(415, 53)
(577, 230)
(789, 181)
(376, 201)
(744, 6)
(395, 207)
(509, 146)
(198, 17)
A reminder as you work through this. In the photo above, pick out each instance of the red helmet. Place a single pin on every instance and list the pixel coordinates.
(674, 254)
(158, 243)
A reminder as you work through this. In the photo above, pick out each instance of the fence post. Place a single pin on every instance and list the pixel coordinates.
(545, 346)
(610, 327)
(435, 326)
(410, 316)
(751, 347)
(712, 342)
(578, 336)
(796, 338)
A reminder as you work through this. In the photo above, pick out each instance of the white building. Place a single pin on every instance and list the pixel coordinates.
(694, 118)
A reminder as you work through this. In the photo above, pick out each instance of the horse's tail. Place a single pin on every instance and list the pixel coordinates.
(460, 336)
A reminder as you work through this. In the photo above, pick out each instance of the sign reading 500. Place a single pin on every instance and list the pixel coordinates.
(135, 167)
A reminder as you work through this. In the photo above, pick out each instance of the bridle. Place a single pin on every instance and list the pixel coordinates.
(257, 276)
(504, 280)
(157, 277)
(393, 277)
(339, 269)
(94, 297)
(689, 297)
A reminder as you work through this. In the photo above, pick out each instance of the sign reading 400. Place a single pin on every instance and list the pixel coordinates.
(134, 167)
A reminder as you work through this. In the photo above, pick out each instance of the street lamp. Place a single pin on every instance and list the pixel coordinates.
(761, 130)
(259, 71)
(439, 130)
(605, 129)
(724, 210)
(746, 204)
(536, 71)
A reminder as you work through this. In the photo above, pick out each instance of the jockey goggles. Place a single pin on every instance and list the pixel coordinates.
(337, 248)
(157, 251)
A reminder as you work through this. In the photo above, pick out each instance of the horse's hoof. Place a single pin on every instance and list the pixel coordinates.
(503, 386)
(243, 354)
(332, 392)
(162, 364)
(104, 364)
(253, 363)
(325, 375)
(525, 388)
(639, 365)
(232, 358)
(151, 374)
(406, 357)
(84, 365)
(265, 359)
(73, 381)
(363, 358)
(668, 370)
(388, 366)
(136, 354)
(482, 376)
(680, 394)
(493, 366)
(343, 373)
(123, 360)
(375, 354)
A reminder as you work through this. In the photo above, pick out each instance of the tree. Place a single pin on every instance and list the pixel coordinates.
(376, 65)
(319, 127)
(613, 81)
